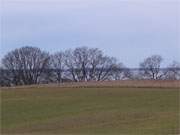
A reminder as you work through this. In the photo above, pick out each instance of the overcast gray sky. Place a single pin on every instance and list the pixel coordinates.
(129, 30)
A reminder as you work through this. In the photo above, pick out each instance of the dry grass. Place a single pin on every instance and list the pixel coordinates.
(56, 110)
(122, 83)
(127, 83)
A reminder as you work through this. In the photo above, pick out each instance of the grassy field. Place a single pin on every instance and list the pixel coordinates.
(51, 110)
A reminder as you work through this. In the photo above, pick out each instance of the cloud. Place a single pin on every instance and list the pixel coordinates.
(139, 27)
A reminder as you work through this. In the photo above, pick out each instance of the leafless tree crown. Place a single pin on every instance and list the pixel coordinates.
(30, 65)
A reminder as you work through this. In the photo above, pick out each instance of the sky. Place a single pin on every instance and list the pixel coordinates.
(129, 30)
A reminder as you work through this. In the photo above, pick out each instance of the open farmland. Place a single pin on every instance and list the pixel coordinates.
(86, 109)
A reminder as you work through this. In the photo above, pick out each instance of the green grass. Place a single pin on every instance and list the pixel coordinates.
(133, 111)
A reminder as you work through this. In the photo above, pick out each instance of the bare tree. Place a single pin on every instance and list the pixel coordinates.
(172, 72)
(95, 58)
(105, 68)
(81, 61)
(58, 66)
(26, 64)
(5, 77)
(87, 64)
(77, 63)
(150, 67)
(69, 63)
(121, 72)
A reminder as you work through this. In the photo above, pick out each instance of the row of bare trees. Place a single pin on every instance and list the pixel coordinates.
(31, 65)
(150, 68)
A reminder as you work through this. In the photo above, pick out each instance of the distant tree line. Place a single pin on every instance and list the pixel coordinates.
(30, 65)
